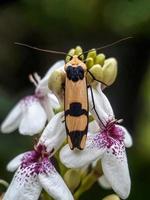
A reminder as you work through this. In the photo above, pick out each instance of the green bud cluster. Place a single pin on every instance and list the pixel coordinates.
(72, 178)
(75, 51)
(104, 70)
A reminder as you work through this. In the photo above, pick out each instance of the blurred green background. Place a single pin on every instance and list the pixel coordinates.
(61, 25)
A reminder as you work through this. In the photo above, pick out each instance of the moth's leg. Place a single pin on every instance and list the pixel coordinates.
(96, 79)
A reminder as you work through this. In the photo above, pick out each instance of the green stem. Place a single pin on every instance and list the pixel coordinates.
(88, 182)
(45, 196)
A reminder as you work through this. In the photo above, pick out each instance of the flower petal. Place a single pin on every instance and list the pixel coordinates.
(93, 127)
(54, 101)
(24, 186)
(128, 139)
(46, 102)
(15, 162)
(56, 65)
(12, 120)
(115, 168)
(54, 134)
(102, 105)
(34, 118)
(104, 182)
(77, 158)
(43, 84)
(106, 104)
(55, 186)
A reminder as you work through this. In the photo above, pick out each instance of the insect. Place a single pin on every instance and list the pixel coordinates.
(76, 103)
(76, 97)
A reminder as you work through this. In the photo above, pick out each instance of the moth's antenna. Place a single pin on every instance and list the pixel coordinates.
(109, 45)
(39, 49)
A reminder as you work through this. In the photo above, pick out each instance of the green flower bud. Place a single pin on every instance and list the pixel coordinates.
(97, 72)
(71, 53)
(59, 109)
(78, 50)
(109, 71)
(56, 82)
(4, 183)
(100, 58)
(111, 197)
(72, 178)
(92, 54)
(89, 180)
(89, 79)
(89, 62)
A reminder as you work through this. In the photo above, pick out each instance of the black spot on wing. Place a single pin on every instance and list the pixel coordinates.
(76, 110)
(76, 137)
(75, 73)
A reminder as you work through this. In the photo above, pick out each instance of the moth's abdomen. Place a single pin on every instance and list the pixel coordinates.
(76, 112)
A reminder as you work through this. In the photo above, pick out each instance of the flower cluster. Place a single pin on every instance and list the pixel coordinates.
(105, 144)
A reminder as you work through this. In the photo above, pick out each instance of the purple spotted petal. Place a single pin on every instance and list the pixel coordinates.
(24, 186)
(75, 158)
(15, 163)
(115, 168)
(127, 137)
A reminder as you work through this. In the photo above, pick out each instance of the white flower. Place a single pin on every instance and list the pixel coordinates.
(35, 169)
(32, 112)
(107, 144)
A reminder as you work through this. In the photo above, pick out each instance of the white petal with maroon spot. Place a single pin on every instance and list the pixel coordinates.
(14, 163)
(127, 137)
(24, 186)
(77, 158)
(115, 168)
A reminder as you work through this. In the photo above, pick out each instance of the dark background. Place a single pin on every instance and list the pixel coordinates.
(61, 25)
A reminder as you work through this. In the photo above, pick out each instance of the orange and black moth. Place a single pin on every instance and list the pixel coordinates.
(76, 97)
(76, 103)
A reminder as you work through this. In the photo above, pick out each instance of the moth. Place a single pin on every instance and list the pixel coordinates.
(76, 103)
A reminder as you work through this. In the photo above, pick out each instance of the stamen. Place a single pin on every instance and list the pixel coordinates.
(111, 123)
(32, 80)
(119, 121)
(37, 77)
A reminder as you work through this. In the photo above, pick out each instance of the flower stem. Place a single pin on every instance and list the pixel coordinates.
(88, 181)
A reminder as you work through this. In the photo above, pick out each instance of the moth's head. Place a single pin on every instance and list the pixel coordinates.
(75, 61)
